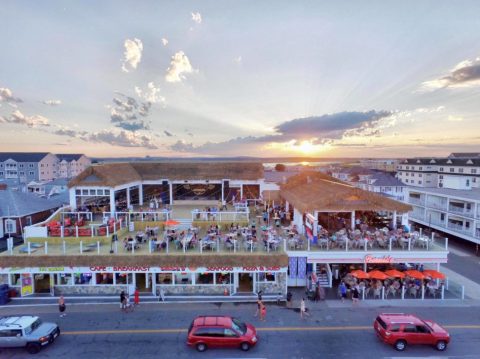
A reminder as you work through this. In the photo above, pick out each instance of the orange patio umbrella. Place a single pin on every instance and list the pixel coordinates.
(360, 274)
(172, 222)
(395, 273)
(434, 274)
(414, 274)
(376, 274)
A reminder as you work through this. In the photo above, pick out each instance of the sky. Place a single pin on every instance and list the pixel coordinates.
(240, 78)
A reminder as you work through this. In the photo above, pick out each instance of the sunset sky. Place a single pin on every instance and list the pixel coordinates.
(240, 78)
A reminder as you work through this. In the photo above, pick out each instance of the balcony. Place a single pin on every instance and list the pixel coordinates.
(417, 201)
(436, 205)
(460, 229)
(461, 211)
(419, 216)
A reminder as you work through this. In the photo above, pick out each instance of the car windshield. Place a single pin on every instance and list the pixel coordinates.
(239, 326)
(33, 326)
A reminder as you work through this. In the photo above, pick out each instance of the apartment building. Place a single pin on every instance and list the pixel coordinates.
(385, 165)
(450, 201)
(40, 166)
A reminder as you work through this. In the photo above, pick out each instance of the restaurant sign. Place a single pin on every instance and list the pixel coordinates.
(380, 260)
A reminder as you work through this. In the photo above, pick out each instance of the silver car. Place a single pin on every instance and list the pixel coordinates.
(27, 331)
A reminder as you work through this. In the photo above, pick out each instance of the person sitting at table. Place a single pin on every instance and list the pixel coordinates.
(125, 243)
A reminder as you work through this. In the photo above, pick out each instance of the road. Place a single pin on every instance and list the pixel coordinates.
(159, 331)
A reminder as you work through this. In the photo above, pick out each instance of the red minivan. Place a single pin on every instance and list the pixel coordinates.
(221, 332)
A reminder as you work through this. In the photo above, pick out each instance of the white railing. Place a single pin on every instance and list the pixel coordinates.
(460, 228)
(140, 216)
(461, 211)
(418, 201)
(220, 216)
(437, 205)
(30, 232)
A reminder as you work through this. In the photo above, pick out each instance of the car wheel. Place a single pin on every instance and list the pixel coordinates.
(201, 347)
(33, 348)
(441, 345)
(245, 346)
(400, 345)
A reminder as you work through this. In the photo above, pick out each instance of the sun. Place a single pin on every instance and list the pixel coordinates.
(306, 147)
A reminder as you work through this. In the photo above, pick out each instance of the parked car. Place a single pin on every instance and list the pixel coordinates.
(27, 331)
(400, 330)
(221, 332)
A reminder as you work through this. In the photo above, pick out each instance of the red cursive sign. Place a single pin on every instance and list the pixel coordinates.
(371, 259)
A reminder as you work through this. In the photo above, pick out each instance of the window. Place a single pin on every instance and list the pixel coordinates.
(85, 192)
(222, 278)
(204, 278)
(420, 168)
(422, 329)
(10, 226)
(441, 169)
(28, 220)
(419, 182)
(419, 175)
(78, 192)
(164, 278)
(460, 170)
(410, 328)
(209, 332)
(408, 167)
(183, 278)
(1, 173)
(10, 332)
(107, 192)
(394, 328)
(15, 279)
(21, 165)
(467, 183)
(452, 170)
(31, 173)
(123, 278)
(104, 278)
(229, 333)
(473, 170)
(441, 176)
(266, 277)
(92, 192)
(83, 278)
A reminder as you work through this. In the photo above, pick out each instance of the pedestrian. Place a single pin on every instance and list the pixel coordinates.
(303, 309)
(317, 293)
(343, 290)
(263, 312)
(62, 307)
(136, 297)
(259, 307)
(289, 299)
(355, 295)
(122, 300)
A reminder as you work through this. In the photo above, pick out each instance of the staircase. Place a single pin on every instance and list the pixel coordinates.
(184, 223)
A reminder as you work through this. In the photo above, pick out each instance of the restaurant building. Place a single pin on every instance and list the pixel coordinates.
(76, 251)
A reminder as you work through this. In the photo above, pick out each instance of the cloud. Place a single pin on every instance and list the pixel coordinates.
(318, 130)
(132, 54)
(127, 112)
(122, 138)
(168, 134)
(197, 17)
(464, 74)
(150, 94)
(30, 121)
(179, 65)
(451, 118)
(238, 60)
(52, 102)
(164, 41)
(6, 95)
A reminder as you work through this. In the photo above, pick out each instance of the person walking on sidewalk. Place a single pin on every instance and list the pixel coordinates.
(355, 295)
(303, 309)
(263, 312)
(62, 306)
(122, 300)
(343, 291)
(136, 297)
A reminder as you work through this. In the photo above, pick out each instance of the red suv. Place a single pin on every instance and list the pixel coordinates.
(401, 329)
(220, 332)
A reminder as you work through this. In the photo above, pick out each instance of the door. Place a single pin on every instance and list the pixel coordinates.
(11, 338)
(42, 283)
(231, 338)
(297, 272)
(141, 282)
(245, 282)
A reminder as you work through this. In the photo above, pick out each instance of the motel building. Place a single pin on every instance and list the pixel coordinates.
(168, 209)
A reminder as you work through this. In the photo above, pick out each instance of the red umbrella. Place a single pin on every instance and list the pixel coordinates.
(360, 274)
(394, 273)
(376, 274)
(434, 274)
(172, 222)
(414, 274)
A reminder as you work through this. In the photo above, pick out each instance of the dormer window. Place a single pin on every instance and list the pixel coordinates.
(469, 162)
(449, 162)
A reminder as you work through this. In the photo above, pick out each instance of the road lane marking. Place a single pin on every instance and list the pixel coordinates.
(265, 329)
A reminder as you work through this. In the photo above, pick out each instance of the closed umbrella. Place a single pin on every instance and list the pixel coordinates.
(434, 274)
(360, 274)
(414, 274)
(394, 273)
(376, 274)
